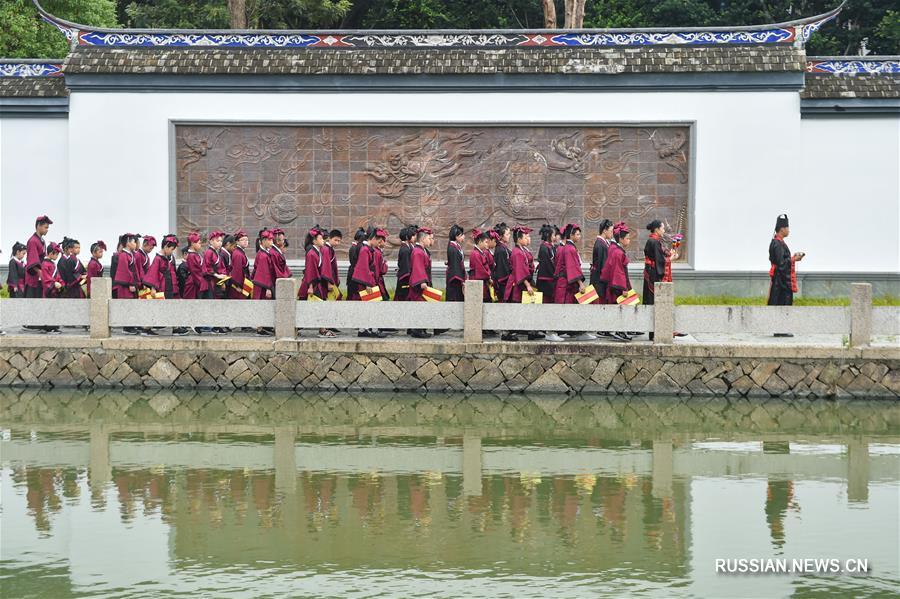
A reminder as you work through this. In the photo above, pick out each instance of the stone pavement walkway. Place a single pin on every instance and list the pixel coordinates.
(823, 341)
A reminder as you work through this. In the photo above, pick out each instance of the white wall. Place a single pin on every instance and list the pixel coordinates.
(747, 150)
(34, 178)
(851, 185)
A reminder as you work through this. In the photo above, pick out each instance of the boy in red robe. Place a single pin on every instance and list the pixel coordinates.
(615, 269)
(264, 273)
(71, 270)
(125, 278)
(51, 283)
(279, 259)
(521, 276)
(420, 272)
(35, 252)
(240, 265)
(316, 272)
(403, 258)
(195, 285)
(95, 267)
(364, 277)
(569, 278)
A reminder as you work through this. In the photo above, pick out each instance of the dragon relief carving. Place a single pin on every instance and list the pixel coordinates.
(351, 139)
(197, 146)
(670, 150)
(262, 148)
(426, 161)
(573, 151)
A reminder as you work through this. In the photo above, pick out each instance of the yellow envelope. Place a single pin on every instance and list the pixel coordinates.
(432, 295)
(312, 297)
(537, 298)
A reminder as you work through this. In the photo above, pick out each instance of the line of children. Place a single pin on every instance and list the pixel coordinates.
(507, 272)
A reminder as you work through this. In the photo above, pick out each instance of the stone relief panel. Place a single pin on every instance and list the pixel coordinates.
(347, 177)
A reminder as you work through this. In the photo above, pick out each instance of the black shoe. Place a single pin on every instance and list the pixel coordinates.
(418, 334)
(248, 330)
(150, 332)
(440, 331)
(489, 334)
(131, 331)
(535, 336)
(378, 334)
(784, 334)
(366, 333)
(605, 334)
(180, 331)
(265, 332)
(335, 331)
(509, 337)
(621, 337)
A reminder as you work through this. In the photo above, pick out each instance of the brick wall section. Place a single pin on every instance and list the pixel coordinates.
(851, 86)
(551, 374)
(33, 87)
(259, 61)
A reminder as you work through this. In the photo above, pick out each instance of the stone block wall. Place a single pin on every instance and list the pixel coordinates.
(501, 369)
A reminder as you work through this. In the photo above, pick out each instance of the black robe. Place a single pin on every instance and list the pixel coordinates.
(456, 274)
(546, 277)
(15, 278)
(781, 290)
(113, 263)
(352, 254)
(598, 259)
(404, 266)
(502, 269)
(654, 269)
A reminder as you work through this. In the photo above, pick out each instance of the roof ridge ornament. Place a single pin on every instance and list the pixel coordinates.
(853, 65)
(794, 32)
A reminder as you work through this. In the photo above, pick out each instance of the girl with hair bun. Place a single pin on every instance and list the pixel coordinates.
(456, 269)
(15, 278)
(615, 270)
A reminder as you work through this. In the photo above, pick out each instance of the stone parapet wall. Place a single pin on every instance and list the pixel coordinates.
(454, 366)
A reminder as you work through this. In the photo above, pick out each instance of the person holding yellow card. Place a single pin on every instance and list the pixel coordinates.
(521, 278)
(420, 273)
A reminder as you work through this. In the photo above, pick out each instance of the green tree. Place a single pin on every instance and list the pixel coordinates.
(26, 36)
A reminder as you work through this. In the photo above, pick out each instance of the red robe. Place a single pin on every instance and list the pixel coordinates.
(141, 263)
(420, 272)
(615, 273)
(330, 258)
(195, 283)
(279, 262)
(160, 276)
(480, 270)
(49, 276)
(521, 265)
(34, 259)
(126, 275)
(240, 270)
(212, 266)
(363, 271)
(568, 274)
(94, 269)
(263, 274)
(381, 269)
(315, 275)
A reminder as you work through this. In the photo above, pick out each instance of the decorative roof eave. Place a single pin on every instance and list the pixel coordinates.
(853, 65)
(31, 67)
(793, 32)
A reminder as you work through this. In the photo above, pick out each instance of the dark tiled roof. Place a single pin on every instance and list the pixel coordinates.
(33, 87)
(851, 86)
(461, 61)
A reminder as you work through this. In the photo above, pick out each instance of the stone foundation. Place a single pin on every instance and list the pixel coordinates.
(453, 366)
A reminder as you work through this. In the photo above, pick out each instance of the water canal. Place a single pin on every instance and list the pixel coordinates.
(122, 494)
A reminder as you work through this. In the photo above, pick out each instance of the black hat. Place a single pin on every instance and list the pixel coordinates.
(781, 222)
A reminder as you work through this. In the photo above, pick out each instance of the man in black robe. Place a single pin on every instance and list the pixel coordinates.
(782, 272)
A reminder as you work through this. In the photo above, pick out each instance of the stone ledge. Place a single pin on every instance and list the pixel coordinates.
(446, 347)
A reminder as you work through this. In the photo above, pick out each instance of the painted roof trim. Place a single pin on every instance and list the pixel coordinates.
(853, 65)
(31, 67)
(793, 32)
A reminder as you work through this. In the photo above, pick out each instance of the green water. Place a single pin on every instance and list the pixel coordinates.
(113, 494)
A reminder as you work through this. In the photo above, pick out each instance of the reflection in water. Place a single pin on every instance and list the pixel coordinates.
(405, 495)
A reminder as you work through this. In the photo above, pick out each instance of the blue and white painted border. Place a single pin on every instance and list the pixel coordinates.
(30, 69)
(854, 66)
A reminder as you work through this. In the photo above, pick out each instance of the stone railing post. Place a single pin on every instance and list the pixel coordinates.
(473, 312)
(860, 314)
(101, 293)
(285, 309)
(664, 313)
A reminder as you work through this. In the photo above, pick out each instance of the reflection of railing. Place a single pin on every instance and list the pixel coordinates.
(286, 314)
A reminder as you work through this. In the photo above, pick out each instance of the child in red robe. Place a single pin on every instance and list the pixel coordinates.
(51, 282)
(403, 257)
(316, 272)
(195, 285)
(456, 269)
(279, 259)
(521, 276)
(35, 252)
(264, 273)
(95, 267)
(364, 276)
(420, 272)
(615, 270)
(240, 265)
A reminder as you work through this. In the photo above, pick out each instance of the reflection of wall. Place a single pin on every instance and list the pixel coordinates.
(346, 177)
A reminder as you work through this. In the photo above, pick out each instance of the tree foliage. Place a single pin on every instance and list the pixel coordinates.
(864, 25)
